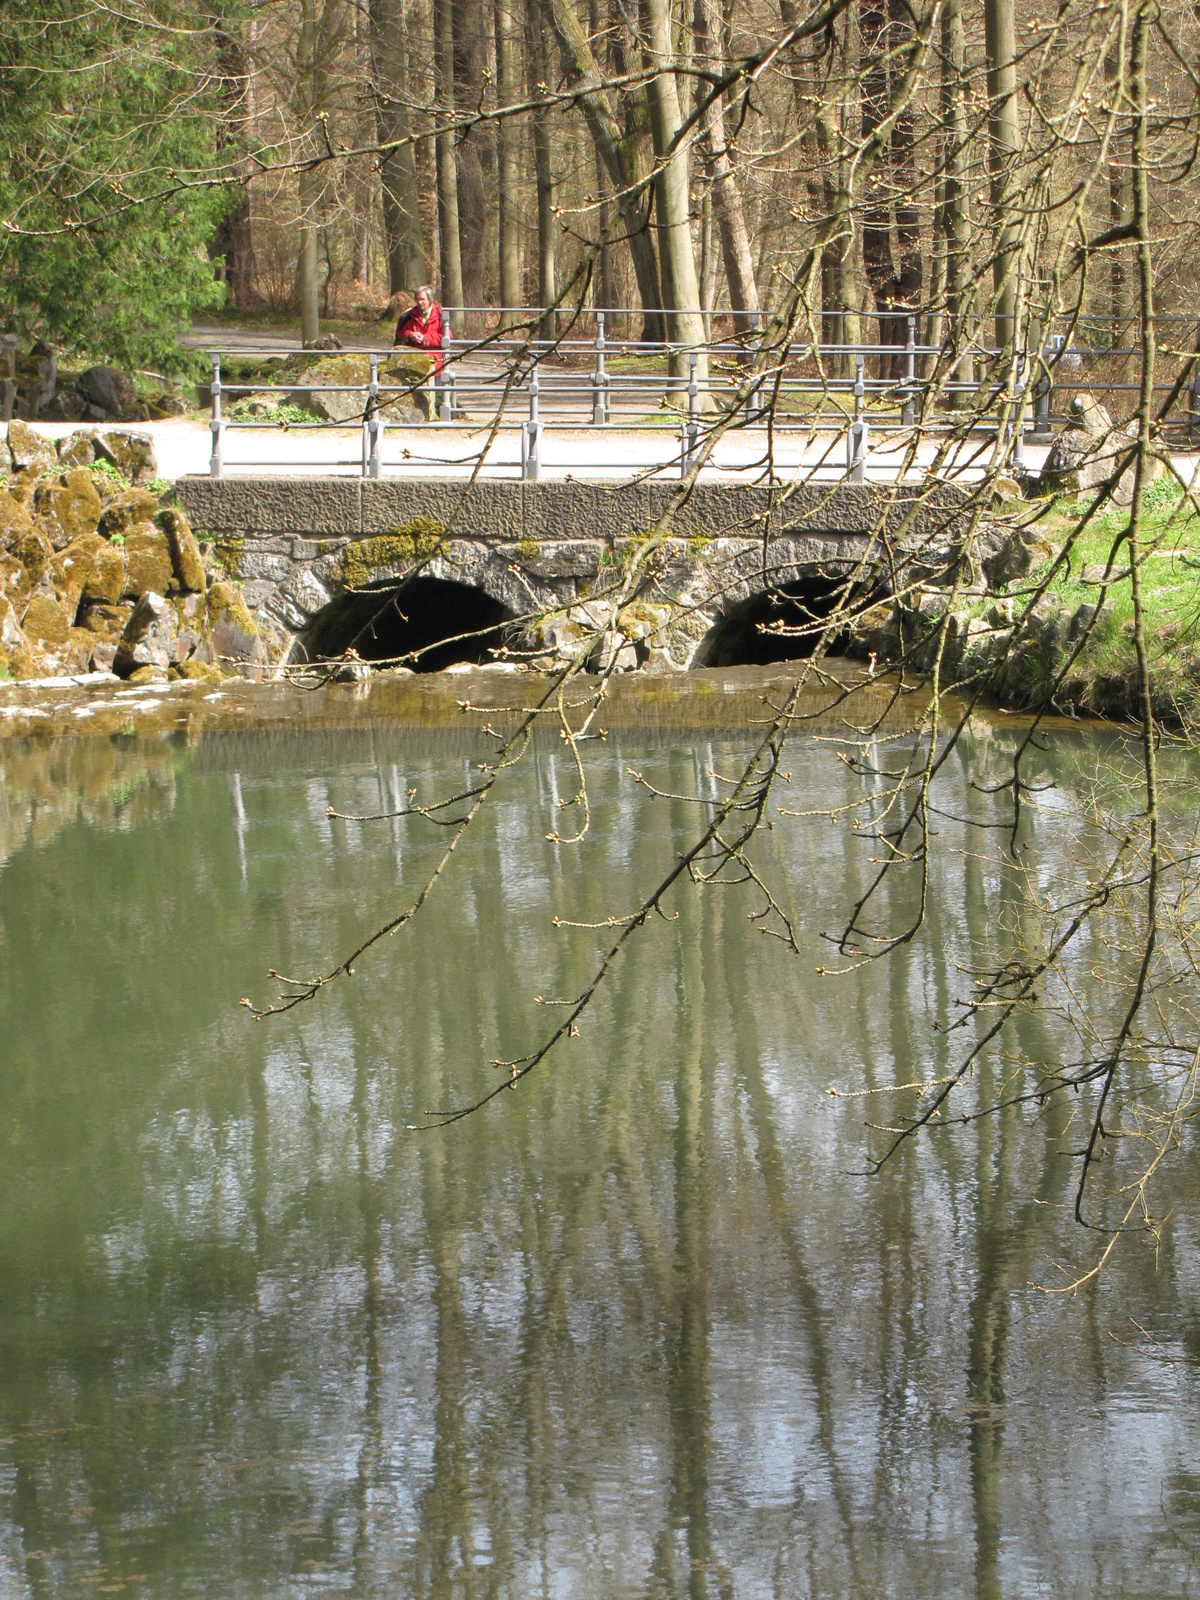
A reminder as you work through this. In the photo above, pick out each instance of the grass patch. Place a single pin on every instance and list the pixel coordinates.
(1170, 572)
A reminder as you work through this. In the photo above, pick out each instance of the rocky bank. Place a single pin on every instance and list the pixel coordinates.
(99, 572)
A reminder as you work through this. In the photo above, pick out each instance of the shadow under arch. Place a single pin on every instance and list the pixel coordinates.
(427, 624)
(738, 639)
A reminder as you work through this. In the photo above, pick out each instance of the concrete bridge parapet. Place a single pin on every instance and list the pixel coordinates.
(297, 545)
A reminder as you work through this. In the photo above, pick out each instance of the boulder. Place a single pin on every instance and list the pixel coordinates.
(147, 560)
(104, 653)
(1088, 451)
(67, 506)
(347, 404)
(111, 391)
(127, 510)
(14, 580)
(149, 637)
(16, 656)
(78, 449)
(22, 484)
(234, 635)
(14, 521)
(45, 623)
(105, 582)
(8, 375)
(36, 377)
(131, 453)
(28, 448)
(104, 620)
(72, 567)
(35, 553)
(1015, 557)
(11, 636)
(185, 552)
(68, 405)
(170, 403)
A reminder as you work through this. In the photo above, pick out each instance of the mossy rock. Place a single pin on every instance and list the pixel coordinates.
(105, 621)
(69, 505)
(147, 561)
(28, 448)
(78, 657)
(72, 567)
(362, 560)
(185, 552)
(14, 520)
(35, 553)
(45, 622)
(78, 449)
(14, 580)
(198, 672)
(22, 484)
(129, 508)
(224, 601)
(106, 576)
(147, 674)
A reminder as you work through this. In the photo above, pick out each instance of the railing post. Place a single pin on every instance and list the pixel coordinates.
(216, 465)
(1044, 390)
(1018, 454)
(691, 428)
(446, 405)
(754, 408)
(856, 439)
(531, 433)
(910, 373)
(600, 382)
(375, 420)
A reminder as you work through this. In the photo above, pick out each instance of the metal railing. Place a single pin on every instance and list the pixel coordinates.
(526, 384)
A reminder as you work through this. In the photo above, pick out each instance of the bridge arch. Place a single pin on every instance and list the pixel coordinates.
(780, 623)
(426, 623)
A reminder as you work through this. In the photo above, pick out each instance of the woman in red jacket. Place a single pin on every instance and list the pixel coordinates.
(421, 326)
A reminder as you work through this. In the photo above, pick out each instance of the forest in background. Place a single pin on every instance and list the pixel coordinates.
(318, 158)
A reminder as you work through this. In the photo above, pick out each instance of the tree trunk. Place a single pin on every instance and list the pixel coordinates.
(1120, 208)
(726, 197)
(954, 222)
(538, 66)
(308, 183)
(449, 243)
(894, 274)
(307, 270)
(680, 289)
(508, 172)
(233, 239)
(604, 295)
(1000, 38)
(470, 61)
(407, 262)
(621, 150)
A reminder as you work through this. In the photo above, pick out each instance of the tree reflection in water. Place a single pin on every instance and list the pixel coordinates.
(641, 1329)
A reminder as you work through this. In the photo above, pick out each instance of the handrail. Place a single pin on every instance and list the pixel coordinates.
(1032, 380)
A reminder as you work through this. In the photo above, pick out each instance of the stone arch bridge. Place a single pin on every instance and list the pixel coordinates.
(311, 553)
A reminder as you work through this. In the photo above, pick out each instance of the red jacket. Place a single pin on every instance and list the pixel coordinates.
(418, 335)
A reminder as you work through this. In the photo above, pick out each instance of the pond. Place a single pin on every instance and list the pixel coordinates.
(643, 1326)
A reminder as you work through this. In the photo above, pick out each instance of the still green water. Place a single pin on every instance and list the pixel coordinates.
(643, 1328)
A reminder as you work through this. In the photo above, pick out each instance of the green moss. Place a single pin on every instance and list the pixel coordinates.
(529, 549)
(362, 559)
(229, 553)
(225, 600)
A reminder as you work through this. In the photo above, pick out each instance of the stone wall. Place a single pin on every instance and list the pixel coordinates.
(296, 544)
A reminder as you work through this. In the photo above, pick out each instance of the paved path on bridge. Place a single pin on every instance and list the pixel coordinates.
(611, 454)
